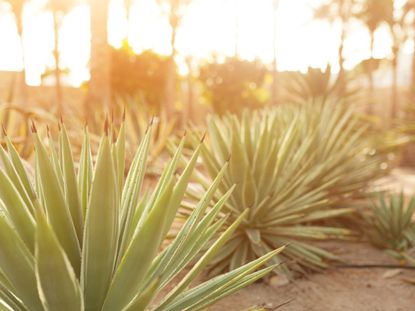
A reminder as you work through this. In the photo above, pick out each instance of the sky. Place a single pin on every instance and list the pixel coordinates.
(209, 26)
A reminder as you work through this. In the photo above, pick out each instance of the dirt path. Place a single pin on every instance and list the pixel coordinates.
(336, 289)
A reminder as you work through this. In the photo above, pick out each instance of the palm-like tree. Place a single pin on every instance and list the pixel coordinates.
(373, 14)
(17, 7)
(409, 13)
(128, 4)
(275, 4)
(398, 35)
(175, 10)
(236, 30)
(59, 9)
(190, 88)
(99, 88)
(342, 12)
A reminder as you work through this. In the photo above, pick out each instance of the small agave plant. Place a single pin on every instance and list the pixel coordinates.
(391, 225)
(86, 238)
(294, 168)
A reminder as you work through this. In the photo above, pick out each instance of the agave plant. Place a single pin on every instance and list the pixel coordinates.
(15, 121)
(317, 84)
(390, 225)
(295, 167)
(136, 114)
(86, 238)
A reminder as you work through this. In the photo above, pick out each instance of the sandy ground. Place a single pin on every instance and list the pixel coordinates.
(369, 289)
(400, 179)
(338, 289)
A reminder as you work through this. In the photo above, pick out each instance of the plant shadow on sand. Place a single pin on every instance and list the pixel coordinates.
(336, 289)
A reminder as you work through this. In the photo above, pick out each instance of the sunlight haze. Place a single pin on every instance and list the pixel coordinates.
(209, 26)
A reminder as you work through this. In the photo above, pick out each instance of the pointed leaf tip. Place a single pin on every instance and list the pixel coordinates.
(114, 135)
(203, 138)
(106, 126)
(150, 124)
(33, 127)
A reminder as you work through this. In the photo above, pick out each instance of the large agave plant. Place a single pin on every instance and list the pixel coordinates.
(83, 238)
(317, 84)
(294, 168)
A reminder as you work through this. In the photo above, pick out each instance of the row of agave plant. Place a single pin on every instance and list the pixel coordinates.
(131, 111)
(86, 236)
(296, 169)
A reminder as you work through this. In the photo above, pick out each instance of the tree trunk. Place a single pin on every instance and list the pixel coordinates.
(21, 84)
(190, 90)
(99, 88)
(341, 78)
(171, 76)
(274, 61)
(371, 68)
(394, 87)
(413, 60)
(128, 7)
(236, 52)
(58, 83)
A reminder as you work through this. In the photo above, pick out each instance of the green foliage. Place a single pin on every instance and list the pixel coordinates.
(295, 168)
(144, 74)
(137, 116)
(15, 121)
(332, 10)
(234, 84)
(316, 84)
(16, 7)
(86, 238)
(406, 125)
(375, 12)
(390, 224)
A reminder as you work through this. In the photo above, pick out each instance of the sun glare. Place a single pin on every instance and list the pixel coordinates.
(224, 27)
